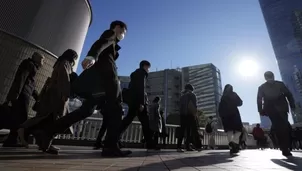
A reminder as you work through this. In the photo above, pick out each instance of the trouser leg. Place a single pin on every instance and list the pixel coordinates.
(103, 129)
(20, 110)
(132, 112)
(181, 132)
(114, 121)
(69, 119)
(282, 131)
(144, 119)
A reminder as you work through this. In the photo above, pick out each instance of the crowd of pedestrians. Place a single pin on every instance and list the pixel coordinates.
(99, 86)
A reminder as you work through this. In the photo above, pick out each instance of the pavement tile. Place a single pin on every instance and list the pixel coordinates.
(85, 159)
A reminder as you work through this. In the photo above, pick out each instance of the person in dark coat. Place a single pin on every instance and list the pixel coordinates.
(53, 99)
(272, 100)
(188, 120)
(20, 93)
(99, 86)
(138, 102)
(230, 117)
(155, 121)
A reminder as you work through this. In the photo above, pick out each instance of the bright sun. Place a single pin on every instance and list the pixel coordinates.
(248, 68)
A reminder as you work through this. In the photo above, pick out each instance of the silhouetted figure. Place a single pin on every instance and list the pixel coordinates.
(155, 121)
(230, 117)
(52, 103)
(99, 86)
(259, 136)
(20, 93)
(211, 130)
(272, 100)
(138, 102)
(163, 135)
(188, 120)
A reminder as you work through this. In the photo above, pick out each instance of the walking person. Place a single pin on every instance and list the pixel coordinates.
(138, 102)
(20, 93)
(99, 86)
(273, 100)
(230, 117)
(155, 121)
(163, 135)
(188, 122)
(211, 130)
(53, 99)
(259, 136)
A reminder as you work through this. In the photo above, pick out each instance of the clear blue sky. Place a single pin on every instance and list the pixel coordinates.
(222, 32)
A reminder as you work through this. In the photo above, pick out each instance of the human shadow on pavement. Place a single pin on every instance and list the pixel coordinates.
(292, 163)
(183, 160)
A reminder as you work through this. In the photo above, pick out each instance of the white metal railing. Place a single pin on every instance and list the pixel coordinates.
(88, 130)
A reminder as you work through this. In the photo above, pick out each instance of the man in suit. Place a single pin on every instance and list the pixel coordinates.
(138, 102)
(272, 101)
(99, 86)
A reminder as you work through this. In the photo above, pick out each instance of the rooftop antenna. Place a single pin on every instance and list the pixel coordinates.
(171, 64)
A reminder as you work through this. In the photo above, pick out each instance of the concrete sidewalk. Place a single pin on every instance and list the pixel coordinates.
(85, 159)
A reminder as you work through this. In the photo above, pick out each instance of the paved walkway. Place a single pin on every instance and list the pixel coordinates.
(85, 159)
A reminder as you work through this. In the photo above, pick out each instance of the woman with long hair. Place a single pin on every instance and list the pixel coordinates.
(230, 117)
(53, 99)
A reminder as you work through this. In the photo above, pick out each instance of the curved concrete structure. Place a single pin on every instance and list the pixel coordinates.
(46, 26)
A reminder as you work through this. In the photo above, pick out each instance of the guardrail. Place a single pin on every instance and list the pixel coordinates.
(88, 130)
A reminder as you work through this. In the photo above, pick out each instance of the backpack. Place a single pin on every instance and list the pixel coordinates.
(209, 128)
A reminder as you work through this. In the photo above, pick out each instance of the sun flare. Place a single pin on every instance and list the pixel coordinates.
(248, 68)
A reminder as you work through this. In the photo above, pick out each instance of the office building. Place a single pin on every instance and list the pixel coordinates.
(283, 19)
(207, 83)
(167, 85)
(46, 26)
(124, 81)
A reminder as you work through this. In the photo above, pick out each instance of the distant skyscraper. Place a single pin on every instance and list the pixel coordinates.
(125, 80)
(167, 85)
(207, 83)
(283, 19)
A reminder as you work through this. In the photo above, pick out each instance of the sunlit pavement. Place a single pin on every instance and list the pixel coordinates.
(85, 159)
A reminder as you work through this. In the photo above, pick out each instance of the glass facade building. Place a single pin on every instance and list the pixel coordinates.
(42, 26)
(207, 83)
(283, 19)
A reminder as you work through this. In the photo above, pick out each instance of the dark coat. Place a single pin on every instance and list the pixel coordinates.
(229, 113)
(53, 99)
(188, 103)
(24, 81)
(101, 78)
(155, 120)
(137, 87)
(274, 95)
